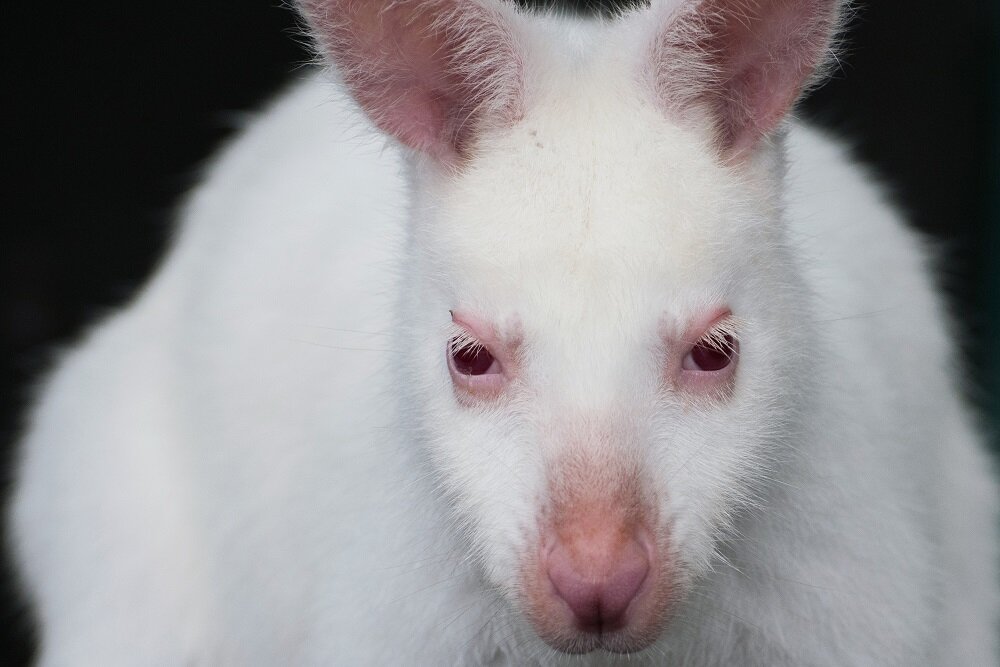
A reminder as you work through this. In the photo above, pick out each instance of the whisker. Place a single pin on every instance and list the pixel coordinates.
(352, 331)
(338, 347)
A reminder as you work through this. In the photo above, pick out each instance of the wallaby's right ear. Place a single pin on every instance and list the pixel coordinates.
(431, 73)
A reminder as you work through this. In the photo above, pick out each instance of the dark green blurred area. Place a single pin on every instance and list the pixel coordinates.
(990, 294)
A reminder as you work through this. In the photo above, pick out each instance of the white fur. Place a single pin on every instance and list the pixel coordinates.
(261, 460)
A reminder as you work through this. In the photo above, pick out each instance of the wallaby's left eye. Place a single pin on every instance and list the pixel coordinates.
(713, 353)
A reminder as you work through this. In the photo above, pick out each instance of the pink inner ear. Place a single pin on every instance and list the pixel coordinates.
(751, 61)
(410, 113)
(428, 72)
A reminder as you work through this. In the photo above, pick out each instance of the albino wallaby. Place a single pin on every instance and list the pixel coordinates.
(602, 356)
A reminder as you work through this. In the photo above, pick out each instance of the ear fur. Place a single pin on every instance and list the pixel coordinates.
(428, 72)
(744, 61)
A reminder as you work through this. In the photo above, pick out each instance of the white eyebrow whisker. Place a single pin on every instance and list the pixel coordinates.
(721, 334)
(462, 340)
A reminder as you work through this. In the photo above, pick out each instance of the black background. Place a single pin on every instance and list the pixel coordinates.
(109, 109)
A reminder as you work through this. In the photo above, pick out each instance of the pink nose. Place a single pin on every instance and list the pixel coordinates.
(598, 580)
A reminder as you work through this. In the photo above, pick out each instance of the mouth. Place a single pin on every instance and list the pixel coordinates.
(610, 642)
(575, 640)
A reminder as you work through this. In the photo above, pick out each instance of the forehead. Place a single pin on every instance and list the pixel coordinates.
(592, 201)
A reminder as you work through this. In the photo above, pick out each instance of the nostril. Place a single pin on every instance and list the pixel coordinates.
(598, 587)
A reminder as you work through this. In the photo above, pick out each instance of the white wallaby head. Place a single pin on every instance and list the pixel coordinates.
(604, 346)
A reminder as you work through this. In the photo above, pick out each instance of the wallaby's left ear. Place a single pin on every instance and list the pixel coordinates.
(746, 62)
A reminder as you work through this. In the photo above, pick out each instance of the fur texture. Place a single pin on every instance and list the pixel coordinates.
(264, 459)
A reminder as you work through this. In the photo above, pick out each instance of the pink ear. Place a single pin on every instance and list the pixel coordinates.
(746, 61)
(429, 72)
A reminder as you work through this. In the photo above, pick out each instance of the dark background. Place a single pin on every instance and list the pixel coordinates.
(110, 109)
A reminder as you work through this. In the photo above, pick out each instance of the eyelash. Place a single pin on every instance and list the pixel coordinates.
(461, 340)
(723, 336)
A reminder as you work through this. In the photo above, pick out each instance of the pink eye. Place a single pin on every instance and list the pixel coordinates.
(479, 361)
(473, 360)
(711, 355)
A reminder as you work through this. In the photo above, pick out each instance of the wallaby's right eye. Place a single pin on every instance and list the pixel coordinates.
(472, 359)
(477, 359)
